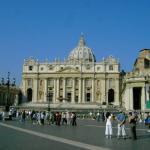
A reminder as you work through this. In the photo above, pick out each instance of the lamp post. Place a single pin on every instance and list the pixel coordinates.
(49, 96)
(8, 92)
(8, 84)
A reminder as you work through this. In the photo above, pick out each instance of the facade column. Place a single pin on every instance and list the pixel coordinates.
(73, 91)
(35, 90)
(126, 98)
(45, 90)
(131, 98)
(102, 89)
(83, 91)
(147, 93)
(93, 90)
(57, 90)
(24, 86)
(64, 89)
(116, 98)
(80, 91)
(143, 99)
(24, 93)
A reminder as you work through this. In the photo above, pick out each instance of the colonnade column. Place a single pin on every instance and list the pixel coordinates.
(131, 98)
(93, 90)
(64, 89)
(80, 91)
(83, 91)
(73, 91)
(143, 99)
(45, 90)
(57, 89)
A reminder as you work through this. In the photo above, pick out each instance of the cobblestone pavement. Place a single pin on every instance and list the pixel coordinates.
(88, 134)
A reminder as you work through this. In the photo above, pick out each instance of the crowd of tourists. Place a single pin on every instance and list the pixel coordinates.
(42, 117)
(132, 118)
(70, 118)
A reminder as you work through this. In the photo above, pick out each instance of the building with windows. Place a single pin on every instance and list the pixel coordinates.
(78, 82)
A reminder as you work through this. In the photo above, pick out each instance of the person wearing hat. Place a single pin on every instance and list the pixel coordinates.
(121, 119)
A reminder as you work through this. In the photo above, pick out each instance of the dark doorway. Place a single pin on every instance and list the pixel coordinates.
(88, 97)
(76, 98)
(29, 95)
(69, 97)
(110, 96)
(137, 98)
(20, 97)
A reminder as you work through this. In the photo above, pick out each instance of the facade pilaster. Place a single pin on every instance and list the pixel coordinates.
(131, 98)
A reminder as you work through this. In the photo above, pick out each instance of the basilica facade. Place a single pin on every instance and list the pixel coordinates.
(78, 82)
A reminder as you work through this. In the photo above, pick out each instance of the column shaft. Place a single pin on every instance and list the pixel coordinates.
(80, 90)
(93, 90)
(73, 91)
(83, 91)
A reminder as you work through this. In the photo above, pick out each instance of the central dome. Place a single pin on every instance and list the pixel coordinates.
(82, 53)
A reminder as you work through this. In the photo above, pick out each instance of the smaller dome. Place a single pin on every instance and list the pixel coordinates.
(81, 53)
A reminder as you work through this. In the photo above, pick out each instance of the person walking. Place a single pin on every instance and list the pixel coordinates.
(108, 130)
(121, 119)
(132, 121)
(74, 117)
(23, 116)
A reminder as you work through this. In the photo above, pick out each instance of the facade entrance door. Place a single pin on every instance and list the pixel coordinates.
(137, 98)
(88, 97)
(29, 95)
(110, 96)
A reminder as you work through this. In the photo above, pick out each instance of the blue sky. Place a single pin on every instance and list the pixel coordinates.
(51, 28)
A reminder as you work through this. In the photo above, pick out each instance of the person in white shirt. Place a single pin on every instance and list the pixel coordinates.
(108, 130)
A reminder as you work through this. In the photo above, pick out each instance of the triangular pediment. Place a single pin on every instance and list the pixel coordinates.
(69, 70)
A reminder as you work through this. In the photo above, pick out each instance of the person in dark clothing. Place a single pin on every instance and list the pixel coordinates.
(132, 121)
(23, 116)
(74, 117)
(103, 116)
